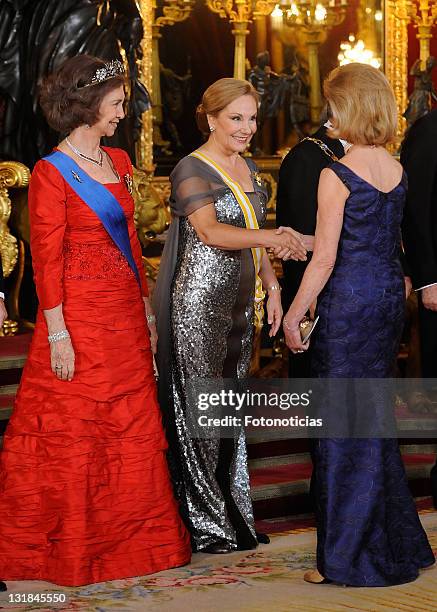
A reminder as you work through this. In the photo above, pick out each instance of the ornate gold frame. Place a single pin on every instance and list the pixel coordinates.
(396, 57)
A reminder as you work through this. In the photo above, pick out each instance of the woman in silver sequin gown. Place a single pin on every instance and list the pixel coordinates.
(205, 306)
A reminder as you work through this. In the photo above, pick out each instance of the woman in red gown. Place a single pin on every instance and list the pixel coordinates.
(85, 495)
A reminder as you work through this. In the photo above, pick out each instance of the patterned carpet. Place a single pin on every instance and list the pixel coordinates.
(269, 578)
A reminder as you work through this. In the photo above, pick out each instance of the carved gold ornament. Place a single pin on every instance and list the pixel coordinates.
(152, 216)
(12, 174)
(269, 181)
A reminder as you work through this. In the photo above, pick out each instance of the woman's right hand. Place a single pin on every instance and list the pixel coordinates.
(286, 244)
(306, 239)
(62, 359)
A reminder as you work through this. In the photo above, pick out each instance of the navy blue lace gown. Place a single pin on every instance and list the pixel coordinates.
(368, 530)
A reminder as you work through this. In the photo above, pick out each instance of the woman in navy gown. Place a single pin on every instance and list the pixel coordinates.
(368, 530)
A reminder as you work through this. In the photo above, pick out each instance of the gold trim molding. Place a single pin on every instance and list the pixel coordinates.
(144, 147)
(396, 58)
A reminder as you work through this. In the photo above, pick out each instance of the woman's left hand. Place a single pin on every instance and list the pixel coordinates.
(151, 324)
(292, 336)
(274, 311)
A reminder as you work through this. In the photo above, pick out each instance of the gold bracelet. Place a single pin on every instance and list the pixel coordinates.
(274, 288)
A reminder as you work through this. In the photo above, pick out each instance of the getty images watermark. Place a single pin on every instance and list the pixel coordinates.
(316, 408)
(247, 401)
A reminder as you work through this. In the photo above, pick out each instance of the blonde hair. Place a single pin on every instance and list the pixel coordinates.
(218, 96)
(363, 105)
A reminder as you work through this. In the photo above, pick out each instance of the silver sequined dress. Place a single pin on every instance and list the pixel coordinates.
(211, 314)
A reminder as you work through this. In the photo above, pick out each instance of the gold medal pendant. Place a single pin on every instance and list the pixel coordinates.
(257, 178)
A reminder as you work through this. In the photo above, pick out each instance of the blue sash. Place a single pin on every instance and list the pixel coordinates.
(99, 199)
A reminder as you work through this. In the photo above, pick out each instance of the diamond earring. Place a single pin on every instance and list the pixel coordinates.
(211, 128)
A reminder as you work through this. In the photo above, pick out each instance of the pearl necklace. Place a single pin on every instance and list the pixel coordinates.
(98, 162)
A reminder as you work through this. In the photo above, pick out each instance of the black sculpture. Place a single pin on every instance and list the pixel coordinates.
(279, 91)
(299, 90)
(175, 91)
(269, 85)
(420, 102)
(10, 22)
(36, 36)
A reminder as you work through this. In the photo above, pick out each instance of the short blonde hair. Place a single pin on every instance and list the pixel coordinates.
(219, 95)
(363, 105)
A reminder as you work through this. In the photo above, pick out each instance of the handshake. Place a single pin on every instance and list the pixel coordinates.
(285, 243)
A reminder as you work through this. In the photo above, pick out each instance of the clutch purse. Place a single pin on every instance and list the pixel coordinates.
(306, 328)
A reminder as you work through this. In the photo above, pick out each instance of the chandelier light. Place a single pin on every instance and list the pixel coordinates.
(314, 18)
(355, 51)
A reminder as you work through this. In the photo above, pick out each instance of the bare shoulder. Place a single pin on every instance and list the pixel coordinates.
(396, 164)
(330, 179)
(328, 174)
(331, 187)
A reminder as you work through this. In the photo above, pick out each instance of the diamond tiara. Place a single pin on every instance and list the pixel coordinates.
(108, 71)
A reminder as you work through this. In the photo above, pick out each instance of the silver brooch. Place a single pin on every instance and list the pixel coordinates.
(76, 176)
(129, 183)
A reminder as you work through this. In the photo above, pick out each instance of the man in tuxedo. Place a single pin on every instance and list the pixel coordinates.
(419, 230)
(296, 207)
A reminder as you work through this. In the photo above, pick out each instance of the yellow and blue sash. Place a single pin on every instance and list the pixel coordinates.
(251, 223)
(100, 200)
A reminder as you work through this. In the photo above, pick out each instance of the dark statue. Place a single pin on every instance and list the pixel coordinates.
(269, 85)
(279, 91)
(36, 36)
(420, 102)
(175, 91)
(299, 90)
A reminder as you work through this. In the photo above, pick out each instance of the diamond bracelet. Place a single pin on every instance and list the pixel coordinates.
(60, 335)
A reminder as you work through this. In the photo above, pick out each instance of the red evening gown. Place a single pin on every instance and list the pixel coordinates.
(85, 494)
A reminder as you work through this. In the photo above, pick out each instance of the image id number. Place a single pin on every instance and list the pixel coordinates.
(37, 598)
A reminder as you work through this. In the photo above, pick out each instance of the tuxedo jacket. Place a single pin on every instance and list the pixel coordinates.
(419, 227)
(296, 204)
